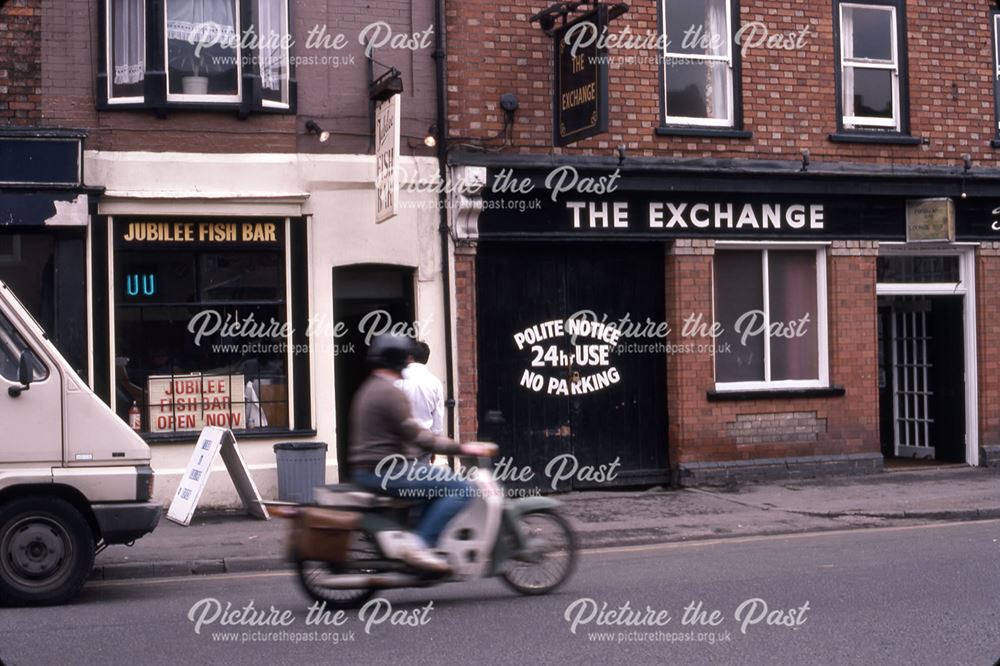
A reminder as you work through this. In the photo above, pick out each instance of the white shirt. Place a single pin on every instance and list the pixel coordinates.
(426, 396)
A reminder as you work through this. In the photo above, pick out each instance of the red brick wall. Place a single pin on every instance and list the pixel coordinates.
(20, 62)
(698, 428)
(988, 332)
(465, 322)
(788, 96)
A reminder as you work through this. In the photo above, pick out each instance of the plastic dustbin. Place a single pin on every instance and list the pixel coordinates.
(301, 467)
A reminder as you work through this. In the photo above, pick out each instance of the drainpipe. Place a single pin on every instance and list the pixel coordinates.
(443, 230)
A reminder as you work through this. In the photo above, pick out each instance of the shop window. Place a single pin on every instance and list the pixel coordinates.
(12, 345)
(162, 53)
(201, 325)
(770, 305)
(871, 94)
(698, 65)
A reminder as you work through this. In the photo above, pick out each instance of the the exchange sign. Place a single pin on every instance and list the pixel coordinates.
(580, 102)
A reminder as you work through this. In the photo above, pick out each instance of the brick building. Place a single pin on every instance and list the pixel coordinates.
(197, 227)
(817, 180)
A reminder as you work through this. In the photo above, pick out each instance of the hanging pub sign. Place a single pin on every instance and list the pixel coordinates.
(386, 155)
(580, 101)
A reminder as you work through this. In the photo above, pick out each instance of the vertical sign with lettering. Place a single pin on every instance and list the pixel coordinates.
(386, 155)
(580, 106)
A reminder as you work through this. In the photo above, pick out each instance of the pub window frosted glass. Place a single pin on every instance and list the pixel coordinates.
(272, 51)
(234, 373)
(698, 62)
(869, 66)
(203, 54)
(767, 303)
(127, 53)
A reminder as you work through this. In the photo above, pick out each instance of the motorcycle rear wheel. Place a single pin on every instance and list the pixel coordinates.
(311, 572)
(551, 557)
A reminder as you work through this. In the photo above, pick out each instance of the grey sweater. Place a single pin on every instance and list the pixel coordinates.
(382, 425)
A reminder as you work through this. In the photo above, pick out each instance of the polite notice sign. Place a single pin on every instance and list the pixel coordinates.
(195, 401)
(386, 156)
(213, 442)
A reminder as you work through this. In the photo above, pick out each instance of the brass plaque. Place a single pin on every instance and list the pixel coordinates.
(930, 220)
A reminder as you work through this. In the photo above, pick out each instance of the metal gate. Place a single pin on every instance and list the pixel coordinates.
(562, 395)
(911, 380)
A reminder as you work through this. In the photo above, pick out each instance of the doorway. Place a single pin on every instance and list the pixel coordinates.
(561, 395)
(367, 300)
(926, 358)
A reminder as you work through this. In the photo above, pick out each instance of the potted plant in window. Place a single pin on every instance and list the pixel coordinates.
(194, 83)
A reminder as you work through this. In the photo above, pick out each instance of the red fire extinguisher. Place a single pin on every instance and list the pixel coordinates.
(135, 417)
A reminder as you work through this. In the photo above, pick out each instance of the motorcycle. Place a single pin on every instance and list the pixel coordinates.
(347, 545)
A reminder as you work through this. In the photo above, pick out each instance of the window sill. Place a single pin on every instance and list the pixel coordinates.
(711, 132)
(873, 137)
(192, 436)
(775, 394)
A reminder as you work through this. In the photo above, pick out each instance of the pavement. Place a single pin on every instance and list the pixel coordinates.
(231, 541)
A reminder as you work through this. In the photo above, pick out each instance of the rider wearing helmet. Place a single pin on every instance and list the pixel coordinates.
(383, 429)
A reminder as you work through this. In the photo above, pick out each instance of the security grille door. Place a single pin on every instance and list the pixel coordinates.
(911, 374)
(562, 395)
(928, 373)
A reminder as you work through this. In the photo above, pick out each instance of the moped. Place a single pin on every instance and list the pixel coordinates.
(348, 544)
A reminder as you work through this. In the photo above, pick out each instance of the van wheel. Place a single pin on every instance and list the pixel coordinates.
(46, 551)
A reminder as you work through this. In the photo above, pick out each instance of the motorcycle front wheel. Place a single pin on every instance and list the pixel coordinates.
(548, 558)
(311, 574)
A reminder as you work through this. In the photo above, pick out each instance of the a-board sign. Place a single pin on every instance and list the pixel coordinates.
(212, 442)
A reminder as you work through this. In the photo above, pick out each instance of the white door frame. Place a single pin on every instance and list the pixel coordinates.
(966, 288)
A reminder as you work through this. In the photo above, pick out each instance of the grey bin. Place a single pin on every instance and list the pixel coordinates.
(301, 467)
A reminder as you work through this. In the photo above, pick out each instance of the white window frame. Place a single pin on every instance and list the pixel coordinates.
(728, 59)
(109, 66)
(996, 62)
(210, 99)
(849, 119)
(822, 322)
(285, 92)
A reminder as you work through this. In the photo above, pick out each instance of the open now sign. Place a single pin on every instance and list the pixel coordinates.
(196, 401)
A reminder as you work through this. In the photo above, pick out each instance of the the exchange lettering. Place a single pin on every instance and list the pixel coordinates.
(686, 216)
(582, 95)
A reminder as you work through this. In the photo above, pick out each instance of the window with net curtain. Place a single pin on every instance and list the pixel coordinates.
(698, 62)
(212, 72)
(755, 290)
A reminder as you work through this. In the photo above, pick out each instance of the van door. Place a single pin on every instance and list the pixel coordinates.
(31, 422)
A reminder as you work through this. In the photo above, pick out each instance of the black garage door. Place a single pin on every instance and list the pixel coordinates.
(595, 395)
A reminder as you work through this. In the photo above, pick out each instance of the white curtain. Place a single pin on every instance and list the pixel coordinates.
(271, 32)
(128, 22)
(203, 18)
(847, 41)
(255, 416)
(717, 28)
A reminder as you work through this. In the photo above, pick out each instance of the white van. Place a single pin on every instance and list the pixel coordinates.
(74, 478)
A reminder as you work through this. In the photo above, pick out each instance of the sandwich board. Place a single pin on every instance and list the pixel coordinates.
(212, 442)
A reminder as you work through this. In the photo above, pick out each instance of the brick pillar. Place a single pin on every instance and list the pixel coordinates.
(987, 332)
(689, 291)
(466, 342)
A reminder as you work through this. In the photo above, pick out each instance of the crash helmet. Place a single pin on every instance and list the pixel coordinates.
(390, 351)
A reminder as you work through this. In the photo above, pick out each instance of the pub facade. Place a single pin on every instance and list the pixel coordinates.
(776, 262)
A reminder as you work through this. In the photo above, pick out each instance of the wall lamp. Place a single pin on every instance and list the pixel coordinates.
(313, 128)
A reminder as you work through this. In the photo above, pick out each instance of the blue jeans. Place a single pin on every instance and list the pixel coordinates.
(446, 494)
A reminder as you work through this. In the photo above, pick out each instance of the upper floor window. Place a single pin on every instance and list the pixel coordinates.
(698, 66)
(870, 66)
(996, 71)
(162, 53)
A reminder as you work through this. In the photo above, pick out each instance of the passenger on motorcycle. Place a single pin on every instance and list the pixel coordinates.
(381, 426)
